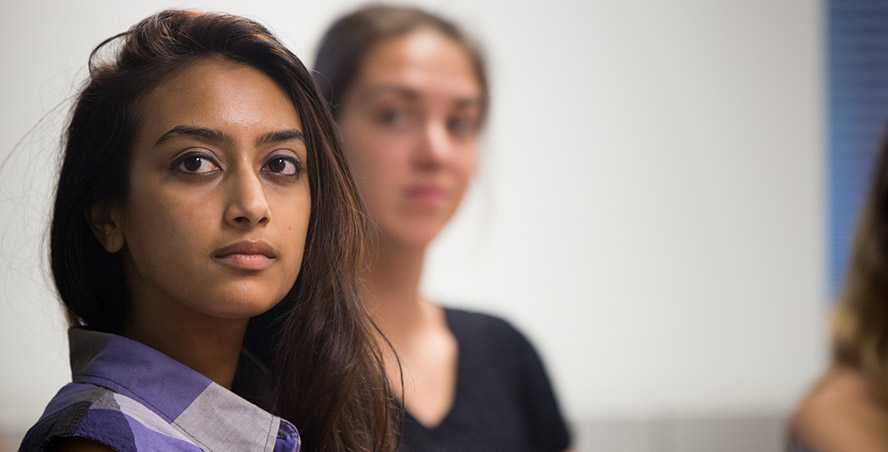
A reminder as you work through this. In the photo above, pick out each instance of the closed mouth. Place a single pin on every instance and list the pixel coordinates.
(247, 247)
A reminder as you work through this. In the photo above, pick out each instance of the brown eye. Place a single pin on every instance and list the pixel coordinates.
(396, 118)
(390, 117)
(196, 164)
(283, 166)
(461, 127)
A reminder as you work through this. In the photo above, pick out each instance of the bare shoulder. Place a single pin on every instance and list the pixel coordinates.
(80, 445)
(841, 414)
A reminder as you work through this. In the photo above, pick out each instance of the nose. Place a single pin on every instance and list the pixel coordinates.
(247, 205)
(433, 146)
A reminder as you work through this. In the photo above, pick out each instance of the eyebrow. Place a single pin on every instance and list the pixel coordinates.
(465, 103)
(379, 90)
(217, 136)
(412, 95)
(280, 136)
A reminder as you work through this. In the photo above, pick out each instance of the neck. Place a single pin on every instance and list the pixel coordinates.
(206, 344)
(391, 286)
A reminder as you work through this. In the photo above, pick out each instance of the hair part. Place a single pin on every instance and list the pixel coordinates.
(328, 373)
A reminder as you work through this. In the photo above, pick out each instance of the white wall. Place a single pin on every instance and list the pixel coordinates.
(651, 209)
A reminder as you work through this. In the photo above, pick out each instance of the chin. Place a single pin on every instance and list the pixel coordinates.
(417, 229)
(243, 302)
(417, 235)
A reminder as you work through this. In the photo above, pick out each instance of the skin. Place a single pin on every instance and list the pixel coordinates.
(841, 414)
(410, 127)
(192, 193)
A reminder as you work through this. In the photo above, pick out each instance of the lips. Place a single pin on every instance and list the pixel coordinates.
(426, 193)
(247, 255)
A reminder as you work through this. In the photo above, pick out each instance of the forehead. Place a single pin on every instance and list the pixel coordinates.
(424, 61)
(219, 93)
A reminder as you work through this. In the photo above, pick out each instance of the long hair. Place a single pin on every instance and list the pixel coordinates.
(328, 374)
(860, 323)
(350, 38)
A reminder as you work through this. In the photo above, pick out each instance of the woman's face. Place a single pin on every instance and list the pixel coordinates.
(216, 216)
(410, 126)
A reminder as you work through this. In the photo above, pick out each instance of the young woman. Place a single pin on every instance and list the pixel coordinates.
(847, 411)
(410, 95)
(202, 186)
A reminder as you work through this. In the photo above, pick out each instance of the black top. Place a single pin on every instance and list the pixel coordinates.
(503, 399)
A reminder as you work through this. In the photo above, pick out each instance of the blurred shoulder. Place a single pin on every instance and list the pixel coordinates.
(841, 413)
(481, 323)
(491, 336)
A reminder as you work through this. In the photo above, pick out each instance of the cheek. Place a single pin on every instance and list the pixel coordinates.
(292, 214)
(162, 224)
(466, 164)
(378, 163)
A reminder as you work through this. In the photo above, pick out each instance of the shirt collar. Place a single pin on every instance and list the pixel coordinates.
(206, 411)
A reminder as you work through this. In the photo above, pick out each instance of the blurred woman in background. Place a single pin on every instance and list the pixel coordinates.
(201, 186)
(848, 408)
(410, 94)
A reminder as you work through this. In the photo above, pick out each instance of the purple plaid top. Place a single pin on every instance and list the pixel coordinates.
(131, 397)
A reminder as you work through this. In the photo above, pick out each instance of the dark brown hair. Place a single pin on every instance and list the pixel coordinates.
(329, 377)
(860, 323)
(350, 38)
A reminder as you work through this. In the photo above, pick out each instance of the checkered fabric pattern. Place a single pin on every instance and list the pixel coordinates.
(131, 397)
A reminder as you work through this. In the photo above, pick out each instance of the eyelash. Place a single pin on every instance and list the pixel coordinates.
(297, 165)
(460, 126)
(177, 165)
(394, 117)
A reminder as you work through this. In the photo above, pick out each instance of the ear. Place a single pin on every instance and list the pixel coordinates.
(106, 226)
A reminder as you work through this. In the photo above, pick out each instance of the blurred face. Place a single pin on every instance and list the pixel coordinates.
(410, 125)
(219, 203)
